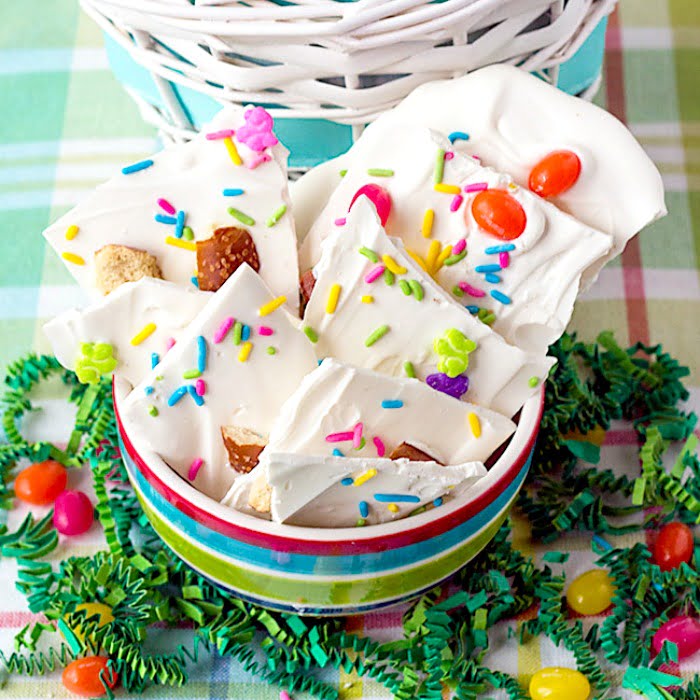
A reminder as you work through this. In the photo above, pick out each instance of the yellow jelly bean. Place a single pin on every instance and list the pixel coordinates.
(556, 683)
(591, 593)
(92, 609)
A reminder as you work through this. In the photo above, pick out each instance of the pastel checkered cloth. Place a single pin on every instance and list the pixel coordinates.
(66, 126)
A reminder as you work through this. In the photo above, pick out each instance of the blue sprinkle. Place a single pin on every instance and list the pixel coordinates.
(149, 390)
(338, 453)
(437, 502)
(201, 353)
(472, 309)
(494, 249)
(233, 192)
(164, 219)
(387, 403)
(179, 224)
(500, 296)
(177, 395)
(195, 281)
(395, 498)
(141, 165)
(197, 398)
(155, 359)
(493, 279)
(495, 267)
(458, 136)
(364, 508)
(245, 333)
(347, 481)
(319, 362)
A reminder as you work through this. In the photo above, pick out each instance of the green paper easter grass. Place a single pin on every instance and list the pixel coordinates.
(446, 637)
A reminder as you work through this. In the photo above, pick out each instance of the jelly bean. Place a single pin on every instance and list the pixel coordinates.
(40, 483)
(499, 214)
(673, 546)
(591, 593)
(82, 676)
(379, 197)
(73, 513)
(555, 173)
(91, 609)
(556, 683)
(683, 631)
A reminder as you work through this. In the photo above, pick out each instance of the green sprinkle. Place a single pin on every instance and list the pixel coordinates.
(457, 291)
(369, 254)
(363, 442)
(486, 316)
(153, 411)
(276, 216)
(409, 369)
(380, 172)
(159, 378)
(454, 259)
(343, 172)
(188, 233)
(191, 374)
(243, 218)
(439, 166)
(311, 334)
(405, 287)
(375, 335)
(533, 382)
(389, 277)
(237, 333)
(271, 350)
(361, 522)
(417, 289)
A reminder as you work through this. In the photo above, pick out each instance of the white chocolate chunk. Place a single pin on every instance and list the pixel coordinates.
(118, 318)
(498, 373)
(245, 386)
(192, 178)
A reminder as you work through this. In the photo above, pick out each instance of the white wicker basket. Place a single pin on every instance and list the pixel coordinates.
(341, 61)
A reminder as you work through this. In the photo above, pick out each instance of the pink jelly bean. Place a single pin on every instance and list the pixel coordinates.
(683, 631)
(379, 197)
(73, 513)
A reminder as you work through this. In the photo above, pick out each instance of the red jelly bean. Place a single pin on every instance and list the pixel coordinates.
(555, 173)
(40, 483)
(379, 197)
(499, 214)
(82, 676)
(673, 546)
(73, 513)
(683, 631)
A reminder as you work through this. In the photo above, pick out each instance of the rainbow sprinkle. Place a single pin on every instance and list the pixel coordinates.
(439, 166)
(375, 273)
(347, 481)
(332, 301)
(376, 335)
(232, 151)
(492, 279)
(495, 267)
(459, 246)
(194, 468)
(337, 453)
(437, 502)
(191, 374)
(392, 403)
(179, 224)
(500, 296)
(71, 232)
(340, 221)
(271, 306)
(455, 258)
(409, 369)
(340, 437)
(148, 390)
(369, 254)
(444, 255)
(201, 353)
(245, 352)
(180, 243)
(241, 216)
(152, 411)
(533, 382)
(367, 299)
(396, 497)
(311, 334)
(504, 260)
(380, 172)
(405, 287)
(200, 386)
(155, 359)
(146, 331)
(164, 219)
(471, 291)
(233, 192)
(237, 332)
(495, 249)
(216, 135)
(276, 216)
(476, 187)
(165, 205)
(357, 435)
(393, 508)
(177, 395)
(379, 444)
(456, 202)
(416, 289)
(188, 233)
(73, 258)
(169, 343)
(365, 477)
(389, 277)
(195, 396)
(364, 508)
(474, 424)
(271, 350)
(458, 136)
(265, 330)
(245, 332)
(223, 329)
(446, 189)
(427, 225)
(457, 291)
(141, 165)
(393, 266)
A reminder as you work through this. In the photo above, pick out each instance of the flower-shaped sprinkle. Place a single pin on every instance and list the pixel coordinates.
(97, 359)
(453, 348)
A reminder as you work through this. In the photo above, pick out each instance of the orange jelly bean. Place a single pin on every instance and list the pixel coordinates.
(673, 546)
(499, 214)
(555, 173)
(41, 483)
(82, 676)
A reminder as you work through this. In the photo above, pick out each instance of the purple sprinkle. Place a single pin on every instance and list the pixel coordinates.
(455, 387)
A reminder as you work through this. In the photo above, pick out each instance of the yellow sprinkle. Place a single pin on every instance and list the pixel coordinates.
(245, 351)
(474, 424)
(268, 308)
(393, 266)
(512, 186)
(71, 232)
(446, 189)
(232, 151)
(446, 252)
(181, 243)
(427, 228)
(72, 257)
(393, 508)
(369, 474)
(417, 258)
(332, 300)
(367, 299)
(143, 334)
(432, 256)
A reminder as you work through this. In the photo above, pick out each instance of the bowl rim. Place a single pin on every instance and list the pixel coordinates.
(293, 538)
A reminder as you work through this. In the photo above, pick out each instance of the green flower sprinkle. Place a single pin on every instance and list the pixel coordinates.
(96, 360)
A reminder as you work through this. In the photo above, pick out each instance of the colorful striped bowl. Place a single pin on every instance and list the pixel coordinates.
(312, 571)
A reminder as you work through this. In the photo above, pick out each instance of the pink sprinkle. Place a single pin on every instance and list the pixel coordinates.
(265, 330)
(477, 159)
(215, 135)
(449, 155)
(257, 159)
(194, 468)
(472, 291)
(223, 329)
(477, 187)
(200, 386)
(456, 202)
(459, 246)
(503, 260)
(340, 221)
(375, 273)
(357, 436)
(284, 695)
(340, 437)
(169, 343)
(381, 450)
(165, 205)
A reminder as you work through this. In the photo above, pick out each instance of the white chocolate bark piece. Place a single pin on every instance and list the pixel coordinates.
(240, 385)
(332, 400)
(158, 310)
(201, 180)
(338, 491)
(499, 374)
(533, 296)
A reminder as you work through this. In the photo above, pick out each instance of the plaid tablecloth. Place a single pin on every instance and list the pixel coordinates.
(65, 125)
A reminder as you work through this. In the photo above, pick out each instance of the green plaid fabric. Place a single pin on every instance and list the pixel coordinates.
(66, 125)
